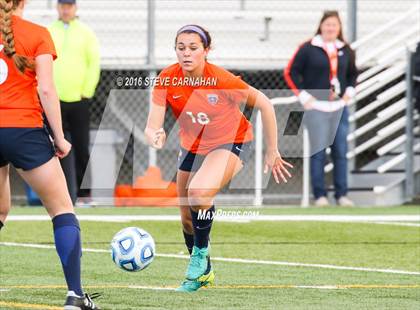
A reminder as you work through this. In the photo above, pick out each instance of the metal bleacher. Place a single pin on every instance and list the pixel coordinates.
(246, 33)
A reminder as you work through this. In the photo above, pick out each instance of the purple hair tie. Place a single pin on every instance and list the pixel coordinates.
(195, 29)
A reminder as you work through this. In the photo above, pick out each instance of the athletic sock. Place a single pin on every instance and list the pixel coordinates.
(189, 241)
(68, 246)
(72, 294)
(202, 225)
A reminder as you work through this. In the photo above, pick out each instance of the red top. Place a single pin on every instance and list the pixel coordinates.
(206, 108)
(19, 103)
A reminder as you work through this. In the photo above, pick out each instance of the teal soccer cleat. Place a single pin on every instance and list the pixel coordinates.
(190, 286)
(198, 263)
(199, 272)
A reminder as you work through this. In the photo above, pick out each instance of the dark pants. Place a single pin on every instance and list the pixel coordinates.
(76, 124)
(328, 129)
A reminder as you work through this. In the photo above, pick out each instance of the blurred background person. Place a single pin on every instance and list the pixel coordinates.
(322, 73)
(76, 75)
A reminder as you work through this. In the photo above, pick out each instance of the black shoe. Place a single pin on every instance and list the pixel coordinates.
(81, 303)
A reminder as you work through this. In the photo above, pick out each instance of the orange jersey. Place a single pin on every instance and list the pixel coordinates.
(19, 103)
(207, 108)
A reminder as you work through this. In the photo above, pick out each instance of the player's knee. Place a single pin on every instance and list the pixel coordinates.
(199, 197)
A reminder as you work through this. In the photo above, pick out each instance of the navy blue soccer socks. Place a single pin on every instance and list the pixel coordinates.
(202, 222)
(68, 245)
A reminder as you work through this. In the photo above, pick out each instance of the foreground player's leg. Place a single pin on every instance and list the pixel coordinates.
(183, 178)
(4, 194)
(49, 183)
(67, 243)
(202, 222)
(217, 170)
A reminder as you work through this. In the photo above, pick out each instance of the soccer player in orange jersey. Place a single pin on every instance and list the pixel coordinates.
(215, 138)
(26, 61)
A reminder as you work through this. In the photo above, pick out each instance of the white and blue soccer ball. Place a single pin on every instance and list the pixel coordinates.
(132, 249)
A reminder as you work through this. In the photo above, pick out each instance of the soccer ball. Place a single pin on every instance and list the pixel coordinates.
(132, 249)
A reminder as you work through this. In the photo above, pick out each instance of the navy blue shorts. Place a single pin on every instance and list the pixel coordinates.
(191, 162)
(25, 148)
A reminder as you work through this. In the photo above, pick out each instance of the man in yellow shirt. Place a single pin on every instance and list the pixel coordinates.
(76, 75)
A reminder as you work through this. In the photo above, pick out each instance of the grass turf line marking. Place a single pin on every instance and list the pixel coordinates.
(28, 306)
(269, 218)
(397, 224)
(240, 286)
(235, 260)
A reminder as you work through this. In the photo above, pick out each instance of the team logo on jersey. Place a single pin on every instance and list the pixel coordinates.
(212, 99)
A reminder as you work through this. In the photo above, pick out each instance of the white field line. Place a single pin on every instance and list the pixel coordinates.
(235, 260)
(244, 218)
(397, 224)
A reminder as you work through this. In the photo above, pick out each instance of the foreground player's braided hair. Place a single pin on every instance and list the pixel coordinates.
(8, 39)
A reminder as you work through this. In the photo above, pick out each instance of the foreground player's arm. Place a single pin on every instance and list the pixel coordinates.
(155, 134)
(273, 160)
(50, 102)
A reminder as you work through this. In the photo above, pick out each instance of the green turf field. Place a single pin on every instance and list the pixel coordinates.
(31, 278)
